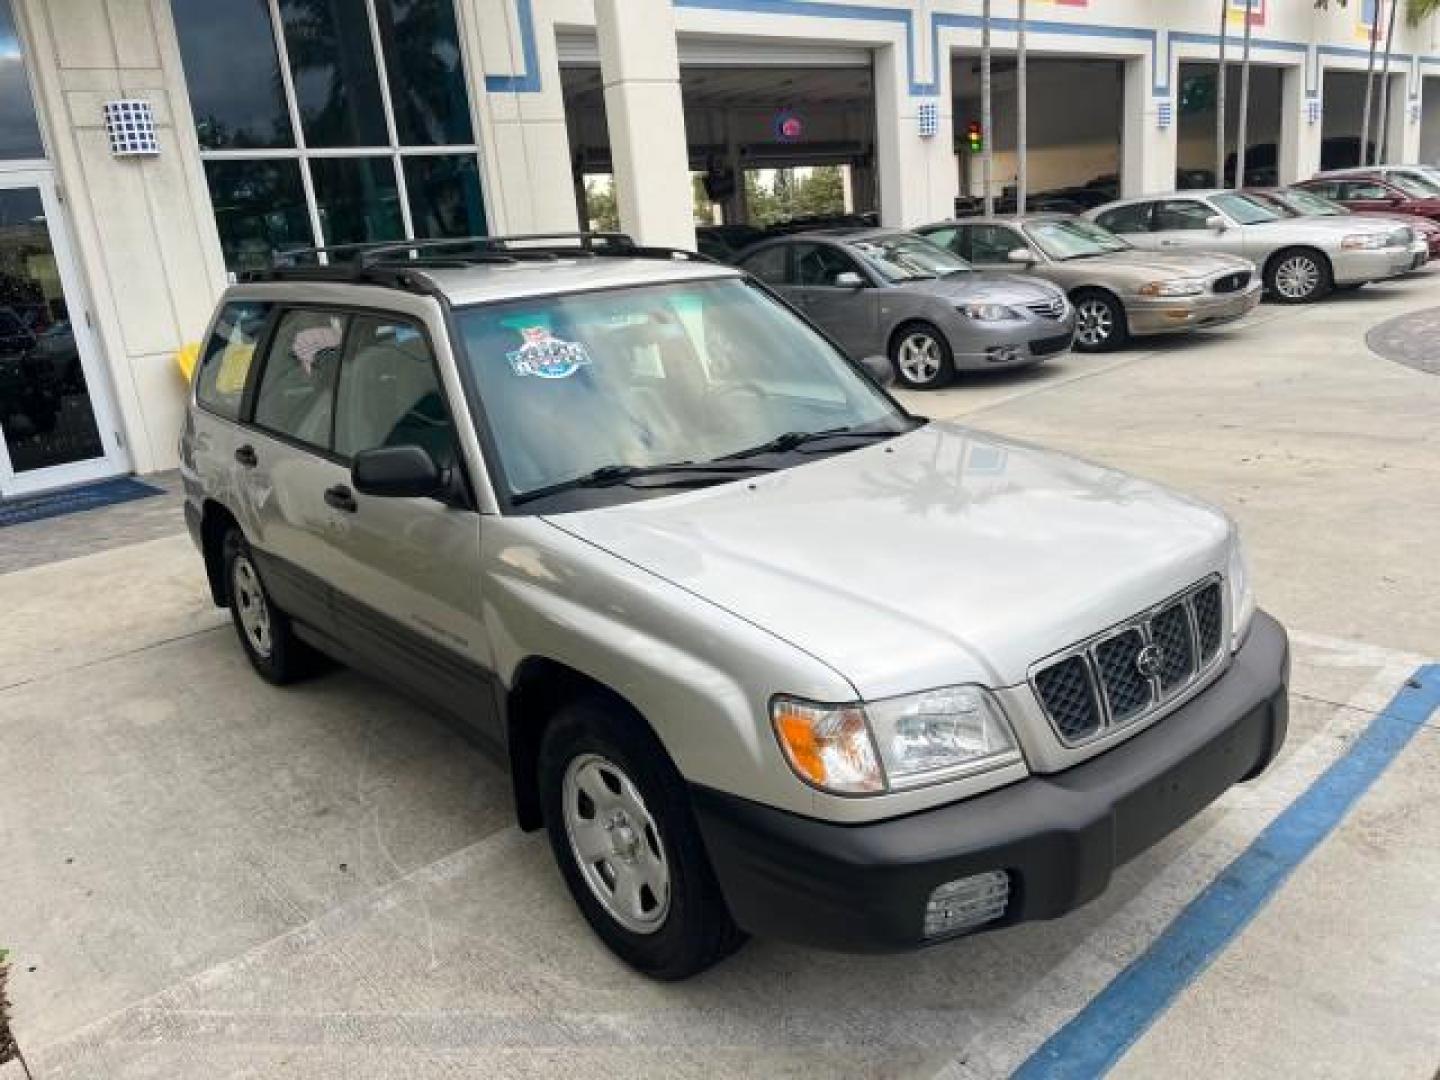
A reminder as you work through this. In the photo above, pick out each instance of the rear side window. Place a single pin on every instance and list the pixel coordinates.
(768, 265)
(1132, 218)
(225, 365)
(297, 388)
(390, 393)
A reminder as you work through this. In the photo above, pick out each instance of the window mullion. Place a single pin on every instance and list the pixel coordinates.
(382, 71)
(287, 80)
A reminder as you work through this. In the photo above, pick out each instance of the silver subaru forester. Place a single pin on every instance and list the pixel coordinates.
(763, 652)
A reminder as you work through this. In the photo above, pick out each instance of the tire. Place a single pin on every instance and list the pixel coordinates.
(1100, 323)
(924, 350)
(265, 632)
(1298, 276)
(599, 763)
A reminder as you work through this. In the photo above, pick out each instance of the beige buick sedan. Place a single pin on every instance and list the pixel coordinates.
(1118, 290)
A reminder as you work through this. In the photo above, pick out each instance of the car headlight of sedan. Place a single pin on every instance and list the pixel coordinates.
(989, 312)
(1242, 596)
(894, 744)
(1364, 241)
(1175, 287)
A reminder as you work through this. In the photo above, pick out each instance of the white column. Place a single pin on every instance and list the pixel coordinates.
(640, 67)
(1403, 143)
(918, 181)
(1147, 151)
(1299, 137)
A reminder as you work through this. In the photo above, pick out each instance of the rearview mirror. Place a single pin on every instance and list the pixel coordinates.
(879, 369)
(397, 472)
(1022, 256)
(849, 279)
(1215, 223)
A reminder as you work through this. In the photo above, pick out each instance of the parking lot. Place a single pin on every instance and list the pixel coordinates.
(203, 875)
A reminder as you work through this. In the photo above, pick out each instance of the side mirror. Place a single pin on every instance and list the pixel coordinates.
(880, 369)
(397, 472)
(1022, 256)
(849, 279)
(1216, 223)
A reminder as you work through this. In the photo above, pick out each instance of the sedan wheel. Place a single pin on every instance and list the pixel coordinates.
(1298, 277)
(1099, 323)
(922, 358)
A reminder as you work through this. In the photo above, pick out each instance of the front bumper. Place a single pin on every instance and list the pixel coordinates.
(863, 888)
(1147, 315)
(981, 346)
(1352, 266)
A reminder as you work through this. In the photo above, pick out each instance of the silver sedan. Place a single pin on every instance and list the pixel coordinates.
(892, 293)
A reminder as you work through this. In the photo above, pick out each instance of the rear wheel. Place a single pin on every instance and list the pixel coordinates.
(1298, 276)
(266, 634)
(1099, 322)
(922, 357)
(622, 830)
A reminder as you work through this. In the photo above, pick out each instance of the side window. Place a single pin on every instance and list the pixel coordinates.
(225, 365)
(1181, 214)
(297, 387)
(1131, 218)
(992, 243)
(1366, 189)
(817, 265)
(389, 392)
(1326, 188)
(948, 238)
(768, 265)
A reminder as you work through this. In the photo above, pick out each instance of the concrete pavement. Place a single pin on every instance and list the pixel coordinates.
(213, 877)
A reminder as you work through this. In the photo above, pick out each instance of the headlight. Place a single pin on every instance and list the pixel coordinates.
(1177, 287)
(989, 312)
(920, 738)
(1363, 241)
(1242, 596)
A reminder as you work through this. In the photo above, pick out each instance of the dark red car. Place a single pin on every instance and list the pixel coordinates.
(1304, 200)
(1370, 192)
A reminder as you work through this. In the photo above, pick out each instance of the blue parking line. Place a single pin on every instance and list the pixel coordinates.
(1091, 1043)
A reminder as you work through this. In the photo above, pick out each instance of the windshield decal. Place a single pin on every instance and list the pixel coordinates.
(546, 356)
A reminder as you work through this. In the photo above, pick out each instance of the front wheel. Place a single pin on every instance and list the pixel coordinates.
(1099, 322)
(1298, 276)
(622, 830)
(921, 357)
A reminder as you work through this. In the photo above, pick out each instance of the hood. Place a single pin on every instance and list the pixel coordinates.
(1415, 221)
(1166, 264)
(942, 556)
(985, 287)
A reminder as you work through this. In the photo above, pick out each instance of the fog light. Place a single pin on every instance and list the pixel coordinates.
(966, 903)
(1002, 354)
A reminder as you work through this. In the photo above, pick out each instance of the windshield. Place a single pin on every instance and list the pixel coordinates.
(657, 375)
(1412, 186)
(1310, 204)
(907, 257)
(1245, 210)
(1074, 238)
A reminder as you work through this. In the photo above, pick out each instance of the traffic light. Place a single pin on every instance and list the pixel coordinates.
(974, 137)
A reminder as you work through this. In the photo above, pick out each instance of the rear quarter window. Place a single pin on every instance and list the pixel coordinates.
(225, 364)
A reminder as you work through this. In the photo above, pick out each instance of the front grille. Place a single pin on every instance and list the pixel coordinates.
(1125, 674)
(1231, 282)
(1053, 308)
(1046, 346)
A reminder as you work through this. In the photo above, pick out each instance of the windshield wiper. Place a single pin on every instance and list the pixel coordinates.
(793, 440)
(688, 472)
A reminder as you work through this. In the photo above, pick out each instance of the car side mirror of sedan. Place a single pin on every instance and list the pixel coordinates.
(880, 369)
(1022, 256)
(849, 279)
(397, 472)
(1216, 223)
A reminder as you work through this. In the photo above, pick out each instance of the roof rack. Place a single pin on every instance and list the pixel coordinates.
(388, 262)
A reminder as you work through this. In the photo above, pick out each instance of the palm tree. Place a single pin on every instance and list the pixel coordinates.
(1220, 98)
(1364, 152)
(1242, 134)
(987, 154)
(1022, 177)
(1382, 125)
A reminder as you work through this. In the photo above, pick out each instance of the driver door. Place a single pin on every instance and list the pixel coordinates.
(1180, 225)
(848, 314)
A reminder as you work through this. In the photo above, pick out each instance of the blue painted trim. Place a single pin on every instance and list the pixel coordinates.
(1091, 1043)
(527, 81)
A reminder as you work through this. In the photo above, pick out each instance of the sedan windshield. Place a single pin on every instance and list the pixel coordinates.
(1074, 238)
(599, 387)
(1245, 210)
(1309, 204)
(1412, 186)
(907, 257)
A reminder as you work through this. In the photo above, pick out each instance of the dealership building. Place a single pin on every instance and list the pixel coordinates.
(151, 149)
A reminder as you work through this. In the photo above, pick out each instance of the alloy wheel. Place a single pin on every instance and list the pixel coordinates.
(250, 605)
(1297, 277)
(919, 358)
(1094, 323)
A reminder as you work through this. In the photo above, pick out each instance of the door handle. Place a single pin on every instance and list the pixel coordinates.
(245, 455)
(1169, 243)
(340, 498)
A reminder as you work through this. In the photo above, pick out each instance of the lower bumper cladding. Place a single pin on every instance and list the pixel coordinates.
(1033, 850)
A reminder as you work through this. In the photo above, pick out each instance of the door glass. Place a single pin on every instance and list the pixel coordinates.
(297, 387)
(45, 406)
(1181, 215)
(992, 243)
(816, 264)
(19, 133)
(389, 393)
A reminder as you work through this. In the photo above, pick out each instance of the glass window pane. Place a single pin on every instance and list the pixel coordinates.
(425, 70)
(233, 73)
(332, 60)
(259, 209)
(297, 387)
(19, 133)
(225, 366)
(389, 393)
(444, 192)
(358, 199)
